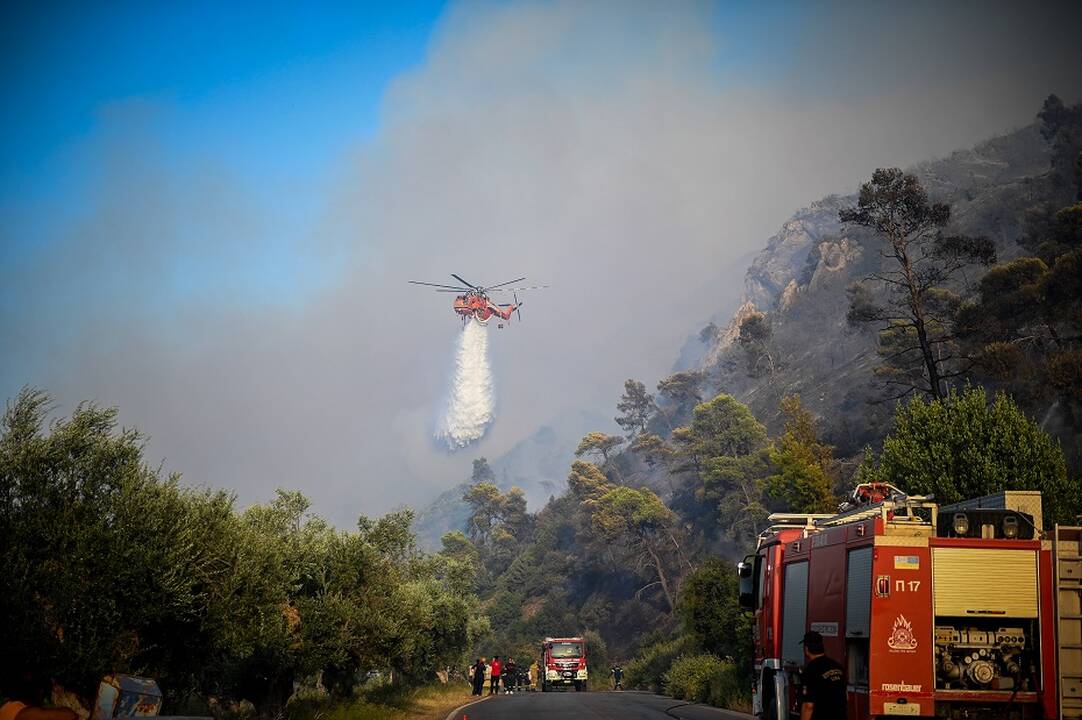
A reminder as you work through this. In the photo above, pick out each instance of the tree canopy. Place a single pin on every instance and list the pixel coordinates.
(637, 520)
(710, 610)
(804, 467)
(110, 568)
(964, 446)
(917, 300)
(635, 406)
(722, 426)
(598, 443)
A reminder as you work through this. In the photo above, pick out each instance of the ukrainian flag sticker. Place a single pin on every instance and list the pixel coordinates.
(907, 562)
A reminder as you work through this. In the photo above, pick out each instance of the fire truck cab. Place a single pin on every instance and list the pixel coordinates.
(563, 663)
(963, 611)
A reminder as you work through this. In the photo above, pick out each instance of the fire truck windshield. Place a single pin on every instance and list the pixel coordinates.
(566, 650)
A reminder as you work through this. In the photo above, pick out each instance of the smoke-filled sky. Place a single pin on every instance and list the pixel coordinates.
(208, 212)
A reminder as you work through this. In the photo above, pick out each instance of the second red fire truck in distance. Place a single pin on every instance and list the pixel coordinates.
(964, 611)
(563, 663)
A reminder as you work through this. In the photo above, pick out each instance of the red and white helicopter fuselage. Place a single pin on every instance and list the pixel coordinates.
(480, 308)
(472, 301)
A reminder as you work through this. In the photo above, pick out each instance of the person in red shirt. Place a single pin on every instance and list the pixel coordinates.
(494, 683)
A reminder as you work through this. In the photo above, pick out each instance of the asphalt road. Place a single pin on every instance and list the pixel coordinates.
(591, 706)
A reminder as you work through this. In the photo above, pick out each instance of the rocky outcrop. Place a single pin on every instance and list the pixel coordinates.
(832, 257)
(786, 254)
(787, 295)
(732, 331)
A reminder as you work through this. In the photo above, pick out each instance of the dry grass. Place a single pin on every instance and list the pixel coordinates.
(433, 703)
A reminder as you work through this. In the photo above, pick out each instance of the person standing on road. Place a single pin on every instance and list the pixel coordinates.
(479, 676)
(510, 676)
(823, 680)
(494, 686)
(617, 677)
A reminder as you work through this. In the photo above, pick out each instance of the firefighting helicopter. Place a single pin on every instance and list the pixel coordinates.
(472, 301)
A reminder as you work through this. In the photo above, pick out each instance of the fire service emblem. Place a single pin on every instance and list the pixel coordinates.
(901, 637)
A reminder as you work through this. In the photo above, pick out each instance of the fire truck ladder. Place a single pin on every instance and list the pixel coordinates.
(902, 509)
(1067, 551)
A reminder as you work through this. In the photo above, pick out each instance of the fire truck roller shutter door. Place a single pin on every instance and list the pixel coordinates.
(858, 615)
(975, 582)
(794, 612)
(858, 593)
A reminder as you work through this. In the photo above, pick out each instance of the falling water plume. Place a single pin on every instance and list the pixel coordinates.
(471, 403)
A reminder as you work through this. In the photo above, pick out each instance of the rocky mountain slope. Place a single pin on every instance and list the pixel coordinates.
(800, 281)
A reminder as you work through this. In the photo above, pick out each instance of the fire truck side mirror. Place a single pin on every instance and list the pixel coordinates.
(746, 572)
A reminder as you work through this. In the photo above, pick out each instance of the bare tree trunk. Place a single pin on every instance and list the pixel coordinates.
(1051, 325)
(934, 381)
(679, 550)
(916, 307)
(661, 577)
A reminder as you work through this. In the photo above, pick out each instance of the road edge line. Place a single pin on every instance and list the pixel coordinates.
(668, 710)
(451, 715)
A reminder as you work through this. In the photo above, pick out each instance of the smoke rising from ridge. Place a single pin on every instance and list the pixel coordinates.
(471, 404)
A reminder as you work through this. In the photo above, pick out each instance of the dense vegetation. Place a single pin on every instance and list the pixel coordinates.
(109, 567)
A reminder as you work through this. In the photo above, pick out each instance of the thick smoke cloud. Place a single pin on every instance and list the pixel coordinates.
(600, 148)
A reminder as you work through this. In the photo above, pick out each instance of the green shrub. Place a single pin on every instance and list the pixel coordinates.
(647, 670)
(599, 664)
(730, 689)
(705, 678)
(689, 677)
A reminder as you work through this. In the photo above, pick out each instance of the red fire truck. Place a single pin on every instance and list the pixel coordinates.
(963, 611)
(563, 662)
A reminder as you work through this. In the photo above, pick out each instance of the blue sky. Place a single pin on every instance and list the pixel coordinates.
(217, 64)
(271, 93)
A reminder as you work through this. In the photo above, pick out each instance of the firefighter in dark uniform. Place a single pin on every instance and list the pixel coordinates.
(823, 682)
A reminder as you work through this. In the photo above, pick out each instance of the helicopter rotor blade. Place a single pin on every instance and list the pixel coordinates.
(493, 287)
(456, 277)
(530, 287)
(437, 285)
